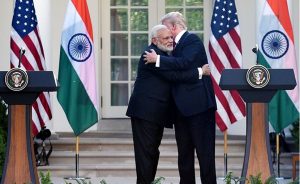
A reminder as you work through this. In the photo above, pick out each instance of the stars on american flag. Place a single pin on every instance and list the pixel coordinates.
(225, 52)
(25, 34)
(224, 17)
(24, 19)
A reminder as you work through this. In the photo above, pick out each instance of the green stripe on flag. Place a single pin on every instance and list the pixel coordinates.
(73, 97)
(282, 110)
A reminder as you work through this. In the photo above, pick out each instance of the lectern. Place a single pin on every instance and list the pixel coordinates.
(257, 158)
(20, 166)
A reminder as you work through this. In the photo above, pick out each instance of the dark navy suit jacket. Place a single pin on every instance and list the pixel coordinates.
(190, 98)
(151, 98)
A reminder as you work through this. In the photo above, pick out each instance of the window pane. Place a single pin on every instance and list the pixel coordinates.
(119, 69)
(201, 36)
(194, 19)
(174, 2)
(139, 2)
(174, 10)
(194, 2)
(119, 44)
(134, 67)
(118, 18)
(139, 20)
(138, 43)
(119, 94)
(118, 2)
(131, 87)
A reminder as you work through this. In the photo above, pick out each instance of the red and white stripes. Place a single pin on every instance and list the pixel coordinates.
(33, 60)
(226, 52)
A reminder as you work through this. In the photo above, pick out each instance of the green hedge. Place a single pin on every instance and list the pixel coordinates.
(3, 133)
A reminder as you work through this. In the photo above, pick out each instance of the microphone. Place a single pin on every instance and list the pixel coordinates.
(255, 49)
(21, 53)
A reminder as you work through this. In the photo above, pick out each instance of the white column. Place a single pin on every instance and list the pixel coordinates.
(43, 14)
(6, 13)
(42, 9)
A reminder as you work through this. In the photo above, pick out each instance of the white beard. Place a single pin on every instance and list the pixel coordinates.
(164, 48)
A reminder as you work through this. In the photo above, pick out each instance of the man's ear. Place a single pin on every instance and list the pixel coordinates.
(174, 27)
(154, 41)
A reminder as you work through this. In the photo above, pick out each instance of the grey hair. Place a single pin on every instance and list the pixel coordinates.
(175, 18)
(156, 29)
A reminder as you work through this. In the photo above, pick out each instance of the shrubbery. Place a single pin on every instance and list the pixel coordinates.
(3, 133)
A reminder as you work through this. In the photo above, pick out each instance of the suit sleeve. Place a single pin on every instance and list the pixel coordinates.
(192, 55)
(185, 76)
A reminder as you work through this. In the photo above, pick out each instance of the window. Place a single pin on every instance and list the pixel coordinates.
(125, 25)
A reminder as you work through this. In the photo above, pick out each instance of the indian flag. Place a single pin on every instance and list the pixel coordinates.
(77, 93)
(277, 50)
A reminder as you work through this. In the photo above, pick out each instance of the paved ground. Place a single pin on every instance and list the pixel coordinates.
(131, 180)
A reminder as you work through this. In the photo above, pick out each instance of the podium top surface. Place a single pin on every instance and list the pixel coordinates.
(38, 81)
(235, 79)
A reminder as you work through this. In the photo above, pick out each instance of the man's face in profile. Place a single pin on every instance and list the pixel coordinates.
(164, 40)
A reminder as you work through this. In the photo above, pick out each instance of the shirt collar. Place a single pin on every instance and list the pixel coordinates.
(177, 38)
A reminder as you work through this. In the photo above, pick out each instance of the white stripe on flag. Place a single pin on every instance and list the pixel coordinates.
(20, 42)
(34, 39)
(35, 119)
(219, 51)
(233, 49)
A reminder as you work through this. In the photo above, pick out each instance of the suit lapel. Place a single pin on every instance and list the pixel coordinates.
(180, 42)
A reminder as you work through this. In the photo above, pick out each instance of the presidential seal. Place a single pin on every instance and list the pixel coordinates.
(258, 76)
(16, 79)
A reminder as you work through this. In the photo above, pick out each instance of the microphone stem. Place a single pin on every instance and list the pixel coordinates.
(22, 52)
(19, 65)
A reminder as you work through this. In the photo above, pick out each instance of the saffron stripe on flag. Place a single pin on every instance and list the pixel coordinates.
(275, 25)
(78, 98)
(275, 31)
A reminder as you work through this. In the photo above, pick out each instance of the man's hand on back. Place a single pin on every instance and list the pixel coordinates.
(150, 57)
(206, 69)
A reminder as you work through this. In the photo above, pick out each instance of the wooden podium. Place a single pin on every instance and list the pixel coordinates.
(20, 164)
(257, 158)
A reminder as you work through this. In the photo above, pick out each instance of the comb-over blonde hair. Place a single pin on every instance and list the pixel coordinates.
(175, 18)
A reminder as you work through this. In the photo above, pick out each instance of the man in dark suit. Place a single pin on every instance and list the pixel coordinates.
(195, 102)
(150, 104)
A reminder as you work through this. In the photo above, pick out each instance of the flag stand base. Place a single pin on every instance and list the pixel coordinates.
(77, 178)
(77, 165)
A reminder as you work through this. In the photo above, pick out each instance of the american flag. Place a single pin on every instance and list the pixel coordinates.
(25, 34)
(225, 51)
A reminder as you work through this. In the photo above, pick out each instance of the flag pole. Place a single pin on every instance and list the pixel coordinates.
(77, 161)
(77, 157)
(225, 153)
(77, 164)
(277, 155)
